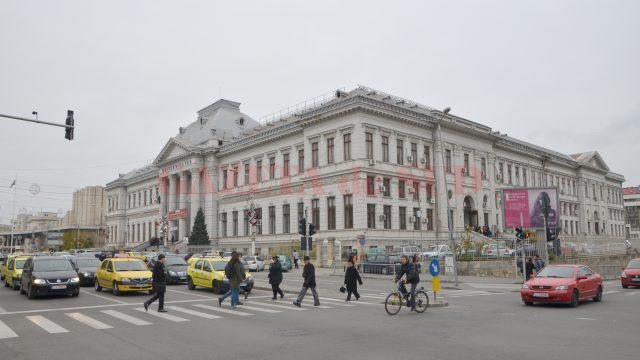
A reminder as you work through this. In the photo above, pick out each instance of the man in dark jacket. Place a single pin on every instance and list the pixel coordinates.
(309, 275)
(351, 280)
(159, 285)
(410, 274)
(275, 277)
(530, 268)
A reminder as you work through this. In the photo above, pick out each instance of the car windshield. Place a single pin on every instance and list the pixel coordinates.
(174, 260)
(243, 262)
(20, 264)
(556, 272)
(52, 265)
(634, 264)
(219, 265)
(130, 266)
(85, 263)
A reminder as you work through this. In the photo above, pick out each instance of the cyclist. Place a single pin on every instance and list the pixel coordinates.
(409, 275)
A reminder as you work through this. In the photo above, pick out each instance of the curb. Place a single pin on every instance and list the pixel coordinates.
(383, 277)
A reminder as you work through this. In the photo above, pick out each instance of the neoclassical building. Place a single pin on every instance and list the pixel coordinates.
(360, 163)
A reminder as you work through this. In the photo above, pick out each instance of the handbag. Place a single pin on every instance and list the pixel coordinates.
(343, 289)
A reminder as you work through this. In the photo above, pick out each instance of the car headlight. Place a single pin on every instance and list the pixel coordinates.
(624, 275)
(39, 281)
(173, 273)
(75, 280)
(125, 280)
(525, 286)
(562, 287)
(86, 274)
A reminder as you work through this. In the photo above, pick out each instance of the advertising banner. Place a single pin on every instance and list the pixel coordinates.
(177, 214)
(531, 204)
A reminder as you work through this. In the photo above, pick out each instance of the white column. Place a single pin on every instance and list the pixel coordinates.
(182, 203)
(171, 203)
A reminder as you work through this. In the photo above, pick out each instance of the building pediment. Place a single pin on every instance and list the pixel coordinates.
(173, 149)
(591, 159)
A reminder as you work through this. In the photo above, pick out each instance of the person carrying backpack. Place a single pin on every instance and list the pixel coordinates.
(235, 273)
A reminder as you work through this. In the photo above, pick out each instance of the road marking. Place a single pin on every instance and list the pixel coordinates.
(222, 310)
(48, 325)
(103, 297)
(99, 325)
(124, 317)
(194, 313)
(163, 315)
(495, 286)
(2, 310)
(610, 292)
(590, 319)
(191, 293)
(291, 307)
(375, 297)
(270, 311)
(309, 302)
(6, 332)
(352, 303)
(632, 293)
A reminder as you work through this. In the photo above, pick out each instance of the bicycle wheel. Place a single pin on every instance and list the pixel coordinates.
(422, 301)
(393, 303)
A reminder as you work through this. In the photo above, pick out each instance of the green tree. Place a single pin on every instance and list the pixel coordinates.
(199, 235)
(70, 240)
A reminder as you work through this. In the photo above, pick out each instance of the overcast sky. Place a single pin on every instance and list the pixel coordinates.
(561, 74)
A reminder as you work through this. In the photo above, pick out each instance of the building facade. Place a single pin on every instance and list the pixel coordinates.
(361, 163)
(632, 211)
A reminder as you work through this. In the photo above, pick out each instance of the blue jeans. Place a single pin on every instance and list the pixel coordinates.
(234, 296)
(226, 295)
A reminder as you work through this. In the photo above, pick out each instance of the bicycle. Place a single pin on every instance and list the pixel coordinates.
(395, 300)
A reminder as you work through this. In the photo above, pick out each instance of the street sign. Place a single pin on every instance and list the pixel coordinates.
(303, 243)
(434, 267)
(177, 214)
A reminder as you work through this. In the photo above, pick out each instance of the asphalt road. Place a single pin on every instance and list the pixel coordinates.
(483, 321)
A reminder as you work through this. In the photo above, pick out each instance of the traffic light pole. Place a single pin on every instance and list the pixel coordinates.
(306, 232)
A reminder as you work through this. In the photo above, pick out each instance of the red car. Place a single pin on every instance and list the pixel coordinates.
(631, 274)
(568, 284)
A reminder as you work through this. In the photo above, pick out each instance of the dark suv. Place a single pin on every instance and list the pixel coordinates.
(49, 275)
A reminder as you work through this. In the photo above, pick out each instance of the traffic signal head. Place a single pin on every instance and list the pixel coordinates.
(312, 229)
(68, 132)
(302, 227)
(526, 235)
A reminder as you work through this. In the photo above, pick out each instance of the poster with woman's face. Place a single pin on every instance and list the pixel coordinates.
(526, 207)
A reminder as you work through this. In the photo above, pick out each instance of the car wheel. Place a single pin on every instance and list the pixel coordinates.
(15, 286)
(115, 289)
(30, 293)
(625, 286)
(75, 293)
(190, 284)
(528, 303)
(217, 288)
(575, 299)
(6, 284)
(21, 290)
(598, 296)
(96, 285)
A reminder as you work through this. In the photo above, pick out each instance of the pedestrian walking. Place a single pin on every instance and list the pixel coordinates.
(529, 267)
(235, 272)
(351, 280)
(275, 277)
(309, 276)
(539, 264)
(159, 285)
(296, 258)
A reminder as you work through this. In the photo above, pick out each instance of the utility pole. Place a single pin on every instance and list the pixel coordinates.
(68, 126)
(306, 236)
(13, 215)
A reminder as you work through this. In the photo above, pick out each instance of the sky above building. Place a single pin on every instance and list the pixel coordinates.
(560, 74)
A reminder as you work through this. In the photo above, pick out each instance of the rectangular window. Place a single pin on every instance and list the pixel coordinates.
(501, 172)
(467, 171)
(524, 177)
(399, 152)
(386, 182)
(259, 223)
(385, 148)
(414, 154)
(348, 211)
(371, 216)
(223, 229)
(371, 185)
(300, 161)
(331, 213)
(429, 192)
(402, 213)
(416, 224)
(286, 219)
(509, 174)
(224, 178)
(429, 219)
(347, 146)
(401, 189)
(259, 166)
(246, 174)
(483, 167)
(285, 165)
(235, 223)
(246, 223)
(330, 151)
(369, 144)
(300, 211)
(315, 213)
(314, 154)
(447, 161)
(272, 219)
(427, 157)
(235, 175)
(416, 190)
(387, 216)
(272, 168)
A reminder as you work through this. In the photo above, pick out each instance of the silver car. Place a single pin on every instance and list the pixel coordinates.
(255, 263)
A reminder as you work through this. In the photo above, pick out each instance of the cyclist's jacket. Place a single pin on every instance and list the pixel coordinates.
(408, 270)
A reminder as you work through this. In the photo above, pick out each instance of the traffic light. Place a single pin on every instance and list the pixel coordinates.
(303, 243)
(526, 235)
(312, 229)
(68, 132)
(551, 234)
(302, 227)
(519, 233)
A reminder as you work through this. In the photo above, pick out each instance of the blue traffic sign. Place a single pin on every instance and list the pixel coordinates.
(434, 267)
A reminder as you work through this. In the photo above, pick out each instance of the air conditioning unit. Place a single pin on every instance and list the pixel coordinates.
(411, 190)
(424, 220)
(412, 219)
(423, 160)
(372, 162)
(433, 200)
(383, 188)
(383, 217)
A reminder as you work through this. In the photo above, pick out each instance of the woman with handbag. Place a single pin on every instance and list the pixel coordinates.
(275, 277)
(351, 280)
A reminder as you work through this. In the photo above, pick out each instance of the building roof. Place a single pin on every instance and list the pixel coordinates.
(633, 190)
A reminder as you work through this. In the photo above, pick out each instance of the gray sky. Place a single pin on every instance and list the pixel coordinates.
(561, 74)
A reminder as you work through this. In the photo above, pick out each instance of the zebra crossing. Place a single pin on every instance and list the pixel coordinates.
(67, 321)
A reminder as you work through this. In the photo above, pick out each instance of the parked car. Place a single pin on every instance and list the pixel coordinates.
(86, 267)
(631, 274)
(567, 284)
(381, 264)
(255, 263)
(175, 266)
(287, 263)
(49, 275)
(436, 251)
(410, 250)
(497, 250)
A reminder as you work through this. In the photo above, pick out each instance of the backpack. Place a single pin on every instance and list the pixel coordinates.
(229, 270)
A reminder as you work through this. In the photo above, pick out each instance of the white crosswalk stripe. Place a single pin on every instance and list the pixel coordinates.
(6, 332)
(96, 324)
(286, 307)
(47, 325)
(307, 303)
(223, 310)
(194, 313)
(269, 311)
(124, 317)
(163, 315)
(352, 303)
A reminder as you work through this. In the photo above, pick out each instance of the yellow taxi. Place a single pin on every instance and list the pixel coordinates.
(123, 274)
(208, 272)
(13, 271)
(194, 258)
